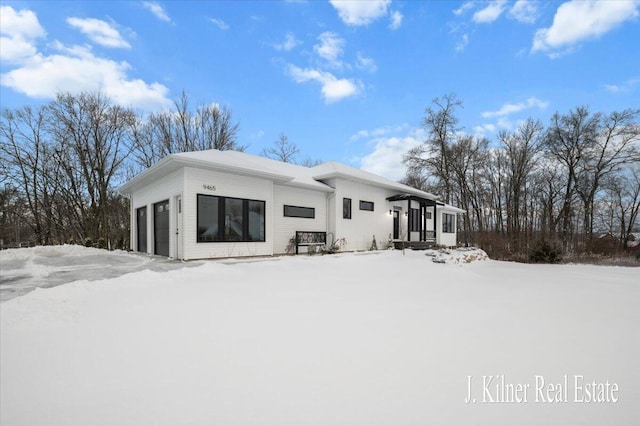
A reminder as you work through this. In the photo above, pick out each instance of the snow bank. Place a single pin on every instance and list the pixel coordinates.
(381, 339)
(457, 256)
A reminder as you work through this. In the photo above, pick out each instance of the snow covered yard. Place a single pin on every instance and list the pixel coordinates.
(355, 339)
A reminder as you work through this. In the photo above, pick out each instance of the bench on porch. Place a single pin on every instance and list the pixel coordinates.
(310, 238)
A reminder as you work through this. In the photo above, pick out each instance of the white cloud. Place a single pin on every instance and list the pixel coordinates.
(333, 89)
(627, 86)
(219, 23)
(157, 10)
(75, 69)
(16, 49)
(396, 20)
(378, 132)
(386, 157)
(462, 9)
(69, 69)
(364, 63)
(358, 12)
(480, 131)
(19, 30)
(579, 20)
(490, 13)
(464, 41)
(525, 11)
(330, 48)
(508, 108)
(23, 23)
(290, 42)
(100, 32)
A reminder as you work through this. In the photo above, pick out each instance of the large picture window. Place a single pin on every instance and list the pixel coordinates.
(346, 208)
(227, 219)
(366, 205)
(448, 223)
(303, 212)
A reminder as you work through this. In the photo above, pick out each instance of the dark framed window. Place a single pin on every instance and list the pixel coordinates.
(366, 205)
(303, 212)
(448, 223)
(346, 208)
(414, 220)
(228, 219)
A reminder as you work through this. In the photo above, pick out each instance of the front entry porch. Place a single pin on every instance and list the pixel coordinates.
(414, 221)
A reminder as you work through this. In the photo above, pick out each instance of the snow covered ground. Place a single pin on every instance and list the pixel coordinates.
(23, 270)
(355, 339)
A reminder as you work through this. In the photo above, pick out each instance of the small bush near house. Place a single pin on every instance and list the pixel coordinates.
(102, 243)
(374, 245)
(88, 242)
(545, 252)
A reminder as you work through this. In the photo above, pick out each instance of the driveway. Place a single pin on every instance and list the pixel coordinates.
(23, 270)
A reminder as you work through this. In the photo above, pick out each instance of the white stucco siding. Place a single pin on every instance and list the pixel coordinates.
(363, 225)
(164, 188)
(199, 181)
(284, 228)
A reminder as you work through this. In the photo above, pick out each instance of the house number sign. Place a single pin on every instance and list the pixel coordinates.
(209, 187)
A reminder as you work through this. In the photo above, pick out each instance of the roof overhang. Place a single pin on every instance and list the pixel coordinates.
(172, 163)
(413, 197)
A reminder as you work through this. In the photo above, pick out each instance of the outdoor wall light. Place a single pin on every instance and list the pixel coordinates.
(406, 213)
(390, 212)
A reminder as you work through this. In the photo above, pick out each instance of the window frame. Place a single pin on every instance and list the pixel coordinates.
(246, 236)
(414, 220)
(346, 214)
(448, 223)
(365, 203)
(312, 209)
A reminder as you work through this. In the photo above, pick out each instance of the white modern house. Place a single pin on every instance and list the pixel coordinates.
(216, 204)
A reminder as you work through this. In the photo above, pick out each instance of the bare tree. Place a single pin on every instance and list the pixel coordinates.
(27, 159)
(441, 124)
(567, 140)
(612, 147)
(184, 130)
(93, 139)
(282, 150)
(520, 149)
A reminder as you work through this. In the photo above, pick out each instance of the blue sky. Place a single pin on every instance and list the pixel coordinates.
(345, 81)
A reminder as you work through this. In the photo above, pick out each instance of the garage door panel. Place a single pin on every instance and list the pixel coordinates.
(161, 228)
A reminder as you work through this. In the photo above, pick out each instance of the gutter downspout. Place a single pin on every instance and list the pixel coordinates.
(328, 218)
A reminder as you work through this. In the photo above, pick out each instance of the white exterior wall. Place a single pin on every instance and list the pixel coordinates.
(226, 185)
(443, 238)
(167, 187)
(363, 225)
(284, 228)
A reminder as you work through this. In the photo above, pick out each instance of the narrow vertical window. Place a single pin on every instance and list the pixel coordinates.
(346, 208)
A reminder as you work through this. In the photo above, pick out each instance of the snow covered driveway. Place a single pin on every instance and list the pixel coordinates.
(23, 270)
(364, 339)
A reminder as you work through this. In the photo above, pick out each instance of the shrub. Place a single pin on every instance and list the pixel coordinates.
(102, 243)
(545, 252)
(88, 242)
(374, 245)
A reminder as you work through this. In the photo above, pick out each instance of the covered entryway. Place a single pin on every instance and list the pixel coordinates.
(161, 228)
(141, 226)
(421, 220)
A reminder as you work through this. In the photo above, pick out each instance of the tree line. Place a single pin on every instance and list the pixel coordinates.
(566, 183)
(61, 163)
